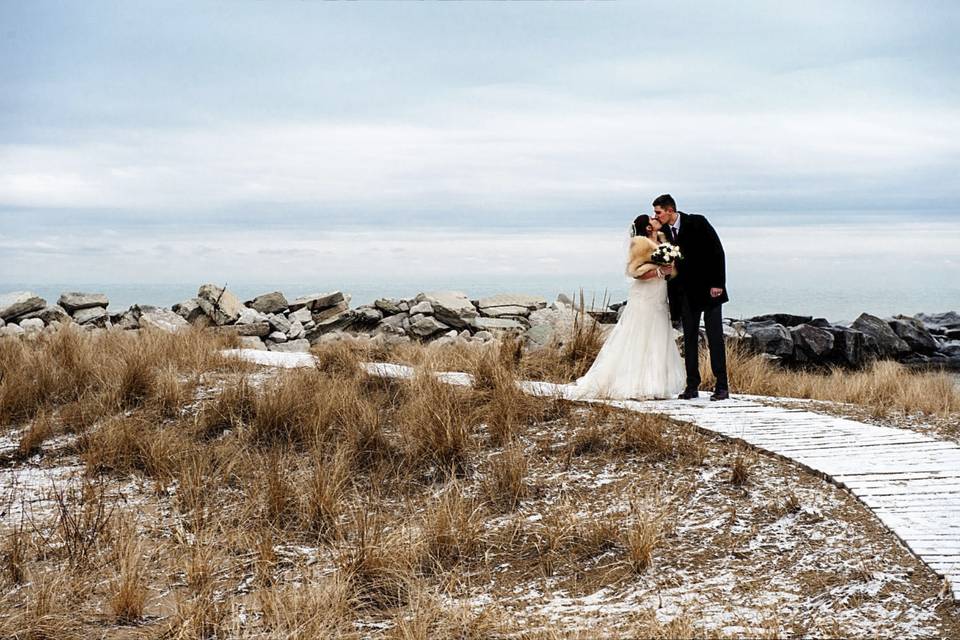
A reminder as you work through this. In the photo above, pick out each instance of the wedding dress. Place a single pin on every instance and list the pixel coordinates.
(639, 359)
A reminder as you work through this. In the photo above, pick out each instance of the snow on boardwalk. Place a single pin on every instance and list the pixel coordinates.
(909, 480)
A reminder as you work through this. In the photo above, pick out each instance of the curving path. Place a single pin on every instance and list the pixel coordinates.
(909, 480)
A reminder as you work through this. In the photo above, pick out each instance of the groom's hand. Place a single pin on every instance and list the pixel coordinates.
(716, 292)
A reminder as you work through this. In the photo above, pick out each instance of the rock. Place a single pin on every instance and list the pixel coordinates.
(821, 323)
(602, 315)
(251, 316)
(335, 323)
(785, 319)
(296, 330)
(31, 325)
(367, 315)
(280, 323)
(483, 336)
(394, 324)
(849, 347)
(11, 330)
(499, 326)
(942, 321)
(277, 337)
(318, 301)
(19, 303)
(273, 302)
(252, 342)
(53, 313)
(92, 316)
(773, 338)
(160, 318)
(129, 320)
(951, 348)
(563, 299)
(294, 346)
(426, 326)
(536, 337)
(260, 329)
(882, 339)
(74, 301)
(914, 334)
(329, 312)
(190, 310)
(450, 307)
(303, 316)
(219, 305)
(811, 344)
(507, 304)
(424, 308)
(2, 323)
(388, 307)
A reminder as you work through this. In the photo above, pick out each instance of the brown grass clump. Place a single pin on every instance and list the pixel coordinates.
(318, 609)
(128, 444)
(230, 409)
(322, 500)
(435, 425)
(13, 555)
(48, 614)
(740, 468)
(40, 430)
(129, 590)
(639, 542)
(281, 411)
(506, 479)
(452, 531)
(378, 565)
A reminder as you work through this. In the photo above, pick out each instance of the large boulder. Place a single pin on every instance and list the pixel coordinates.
(387, 306)
(302, 315)
(293, 346)
(93, 317)
(52, 313)
(273, 302)
(32, 326)
(367, 315)
(218, 304)
(849, 347)
(19, 303)
(509, 304)
(190, 310)
(881, 339)
(336, 322)
(811, 344)
(160, 318)
(330, 312)
(940, 323)
(785, 319)
(249, 315)
(395, 324)
(426, 326)
(499, 326)
(73, 301)
(450, 307)
(424, 308)
(318, 301)
(913, 333)
(279, 322)
(772, 338)
(259, 329)
(11, 330)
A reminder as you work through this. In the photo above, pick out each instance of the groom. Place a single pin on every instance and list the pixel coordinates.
(698, 288)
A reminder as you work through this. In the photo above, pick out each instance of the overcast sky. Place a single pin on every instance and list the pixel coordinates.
(252, 138)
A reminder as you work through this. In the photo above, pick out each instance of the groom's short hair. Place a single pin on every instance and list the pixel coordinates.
(664, 201)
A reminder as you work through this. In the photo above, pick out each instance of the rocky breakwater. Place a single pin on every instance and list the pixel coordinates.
(923, 340)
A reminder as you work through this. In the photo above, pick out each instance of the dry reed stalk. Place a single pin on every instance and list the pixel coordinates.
(435, 425)
(317, 609)
(378, 565)
(39, 431)
(505, 483)
(14, 555)
(639, 542)
(452, 531)
(740, 468)
(322, 502)
(129, 588)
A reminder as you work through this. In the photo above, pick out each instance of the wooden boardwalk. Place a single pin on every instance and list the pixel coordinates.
(910, 481)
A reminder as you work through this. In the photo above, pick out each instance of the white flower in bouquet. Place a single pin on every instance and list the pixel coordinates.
(666, 253)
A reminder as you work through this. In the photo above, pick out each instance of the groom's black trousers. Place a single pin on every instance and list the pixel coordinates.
(713, 323)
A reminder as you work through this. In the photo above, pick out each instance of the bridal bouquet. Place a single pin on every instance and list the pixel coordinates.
(666, 253)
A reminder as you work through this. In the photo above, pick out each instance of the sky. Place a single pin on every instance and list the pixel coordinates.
(195, 141)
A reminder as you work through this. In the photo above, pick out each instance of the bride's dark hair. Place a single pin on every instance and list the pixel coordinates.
(640, 224)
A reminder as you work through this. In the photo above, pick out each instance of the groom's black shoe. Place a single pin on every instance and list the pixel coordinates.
(689, 394)
(720, 394)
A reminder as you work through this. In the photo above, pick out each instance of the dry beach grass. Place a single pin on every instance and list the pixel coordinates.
(152, 489)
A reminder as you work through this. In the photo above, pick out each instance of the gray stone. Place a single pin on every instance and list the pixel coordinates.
(424, 308)
(260, 329)
(563, 299)
(387, 306)
(811, 344)
(329, 312)
(404, 306)
(849, 347)
(273, 302)
(603, 315)
(280, 323)
(450, 307)
(277, 337)
(914, 334)
(335, 323)
(425, 326)
(19, 303)
(296, 330)
(510, 304)
(394, 324)
(942, 321)
(882, 339)
(499, 326)
(785, 319)
(537, 337)
(219, 305)
(94, 316)
(367, 315)
(129, 320)
(74, 301)
(2, 323)
(483, 336)
(252, 342)
(294, 346)
(11, 330)
(190, 310)
(250, 316)
(160, 318)
(318, 301)
(302, 316)
(53, 313)
(32, 325)
(951, 348)
(772, 338)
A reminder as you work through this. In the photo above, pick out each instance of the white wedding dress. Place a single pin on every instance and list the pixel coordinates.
(639, 359)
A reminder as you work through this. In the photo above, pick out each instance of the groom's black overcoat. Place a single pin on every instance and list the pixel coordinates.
(703, 265)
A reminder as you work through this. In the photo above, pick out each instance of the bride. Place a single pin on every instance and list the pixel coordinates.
(639, 359)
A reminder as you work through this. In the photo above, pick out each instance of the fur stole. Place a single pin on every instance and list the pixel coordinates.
(641, 251)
